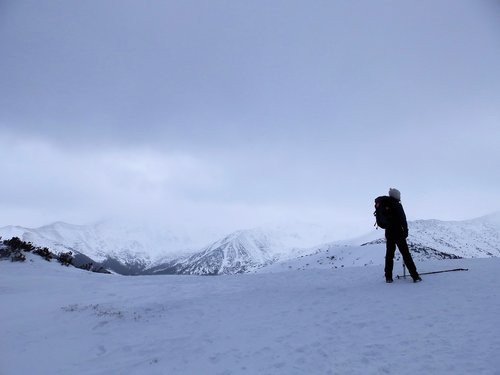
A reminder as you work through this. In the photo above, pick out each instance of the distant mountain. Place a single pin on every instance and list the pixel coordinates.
(135, 250)
(123, 248)
(469, 239)
(428, 239)
(132, 250)
(474, 238)
(236, 253)
(239, 252)
(248, 250)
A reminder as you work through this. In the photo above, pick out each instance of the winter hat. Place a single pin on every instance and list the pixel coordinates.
(395, 193)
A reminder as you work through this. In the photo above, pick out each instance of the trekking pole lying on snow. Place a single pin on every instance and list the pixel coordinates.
(430, 273)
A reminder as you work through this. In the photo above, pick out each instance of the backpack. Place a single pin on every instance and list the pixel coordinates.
(383, 211)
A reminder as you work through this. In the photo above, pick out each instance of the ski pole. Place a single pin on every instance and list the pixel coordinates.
(433, 272)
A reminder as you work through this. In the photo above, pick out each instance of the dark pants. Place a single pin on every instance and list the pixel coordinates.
(405, 252)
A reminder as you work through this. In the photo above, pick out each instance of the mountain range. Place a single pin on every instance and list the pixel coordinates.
(136, 250)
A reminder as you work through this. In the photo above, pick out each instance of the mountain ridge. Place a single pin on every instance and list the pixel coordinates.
(258, 249)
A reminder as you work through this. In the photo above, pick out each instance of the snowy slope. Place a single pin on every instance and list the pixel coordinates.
(478, 237)
(58, 321)
(336, 256)
(471, 238)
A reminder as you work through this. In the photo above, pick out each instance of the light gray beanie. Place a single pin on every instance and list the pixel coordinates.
(395, 193)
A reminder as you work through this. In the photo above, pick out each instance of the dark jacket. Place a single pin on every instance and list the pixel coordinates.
(398, 227)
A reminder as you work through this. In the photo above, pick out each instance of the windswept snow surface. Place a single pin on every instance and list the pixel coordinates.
(59, 320)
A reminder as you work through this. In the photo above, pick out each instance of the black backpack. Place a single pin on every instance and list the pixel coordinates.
(383, 211)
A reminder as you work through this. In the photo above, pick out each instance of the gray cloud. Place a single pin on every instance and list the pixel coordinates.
(259, 110)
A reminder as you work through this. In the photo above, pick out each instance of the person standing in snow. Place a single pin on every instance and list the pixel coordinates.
(395, 235)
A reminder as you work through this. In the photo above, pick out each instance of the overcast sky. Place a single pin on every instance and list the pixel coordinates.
(234, 114)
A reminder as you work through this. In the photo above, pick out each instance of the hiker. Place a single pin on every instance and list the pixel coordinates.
(396, 233)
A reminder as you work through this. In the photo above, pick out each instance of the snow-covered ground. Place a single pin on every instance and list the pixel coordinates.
(59, 320)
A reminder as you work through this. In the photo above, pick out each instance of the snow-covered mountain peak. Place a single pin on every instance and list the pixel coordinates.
(492, 219)
(477, 237)
(247, 250)
(10, 231)
(121, 241)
